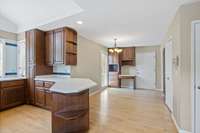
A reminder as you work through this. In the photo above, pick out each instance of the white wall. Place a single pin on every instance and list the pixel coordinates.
(131, 69)
(6, 25)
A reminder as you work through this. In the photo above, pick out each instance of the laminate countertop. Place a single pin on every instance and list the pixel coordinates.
(67, 85)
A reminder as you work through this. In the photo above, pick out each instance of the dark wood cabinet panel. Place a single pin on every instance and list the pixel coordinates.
(43, 94)
(71, 35)
(40, 96)
(49, 46)
(59, 46)
(127, 56)
(48, 100)
(12, 93)
(64, 46)
(12, 96)
(35, 65)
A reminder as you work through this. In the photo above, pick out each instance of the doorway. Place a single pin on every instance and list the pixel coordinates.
(168, 76)
(196, 76)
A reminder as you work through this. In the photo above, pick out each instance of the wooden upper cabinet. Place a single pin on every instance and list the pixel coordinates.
(71, 35)
(128, 56)
(59, 46)
(49, 46)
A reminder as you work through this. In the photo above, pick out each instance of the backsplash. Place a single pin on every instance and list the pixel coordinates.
(128, 70)
(61, 69)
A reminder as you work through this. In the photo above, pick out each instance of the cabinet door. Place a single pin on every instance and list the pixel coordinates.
(30, 84)
(128, 54)
(40, 96)
(31, 47)
(48, 100)
(73, 59)
(12, 96)
(58, 47)
(49, 46)
(71, 35)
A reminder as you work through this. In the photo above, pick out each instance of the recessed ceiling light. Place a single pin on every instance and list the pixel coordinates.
(79, 22)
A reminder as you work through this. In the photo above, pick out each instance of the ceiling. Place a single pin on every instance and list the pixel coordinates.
(133, 22)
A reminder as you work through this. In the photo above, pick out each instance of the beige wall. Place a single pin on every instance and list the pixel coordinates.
(89, 60)
(21, 36)
(180, 34)
(8, 35)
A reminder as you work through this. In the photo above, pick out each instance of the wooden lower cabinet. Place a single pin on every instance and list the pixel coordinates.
(43, 96)
(40, 97)
(12, 93)
(48, 100)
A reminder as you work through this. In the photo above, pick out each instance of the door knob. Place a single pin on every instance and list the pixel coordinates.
(198, 87)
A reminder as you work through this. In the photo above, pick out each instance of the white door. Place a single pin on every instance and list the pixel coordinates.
(104, 70)
(197, 77)
(145, 70)
(168, 76)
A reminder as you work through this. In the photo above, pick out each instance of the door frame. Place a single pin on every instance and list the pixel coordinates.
(170, 40)
(163, 66)
(193, 85)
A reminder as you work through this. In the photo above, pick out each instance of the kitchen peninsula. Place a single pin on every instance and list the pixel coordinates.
(70, 102)
(67, 98)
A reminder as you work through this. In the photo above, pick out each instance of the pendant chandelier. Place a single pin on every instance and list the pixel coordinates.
(115, 49)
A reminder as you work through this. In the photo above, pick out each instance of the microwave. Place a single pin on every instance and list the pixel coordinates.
(113, 68)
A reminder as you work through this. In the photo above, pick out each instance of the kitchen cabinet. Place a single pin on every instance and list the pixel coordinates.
(49, 48)
(35, 61)
(61, 46)
(127, 56)
(39, 96)
(48, 99)
(43, 95)
(58, 46)
(12, 93)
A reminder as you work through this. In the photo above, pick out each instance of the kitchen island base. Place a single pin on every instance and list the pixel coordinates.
(70, 112)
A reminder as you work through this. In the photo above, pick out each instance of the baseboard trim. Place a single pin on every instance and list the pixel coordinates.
(98, 91)
(177, 127)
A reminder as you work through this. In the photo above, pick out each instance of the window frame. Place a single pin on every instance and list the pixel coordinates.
(4, 41)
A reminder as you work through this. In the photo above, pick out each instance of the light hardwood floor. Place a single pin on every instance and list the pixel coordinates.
(111, 111)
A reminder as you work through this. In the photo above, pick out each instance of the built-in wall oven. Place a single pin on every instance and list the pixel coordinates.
(113, 67)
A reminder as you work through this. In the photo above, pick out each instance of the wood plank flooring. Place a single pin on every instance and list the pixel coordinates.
(111, 111)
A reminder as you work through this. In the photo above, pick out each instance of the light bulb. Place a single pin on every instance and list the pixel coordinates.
(111, 50)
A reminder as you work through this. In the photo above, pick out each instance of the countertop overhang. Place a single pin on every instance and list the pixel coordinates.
(67, 85)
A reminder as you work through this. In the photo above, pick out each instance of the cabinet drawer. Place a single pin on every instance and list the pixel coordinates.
(48, 84)
(6, 84)
(39, 83)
